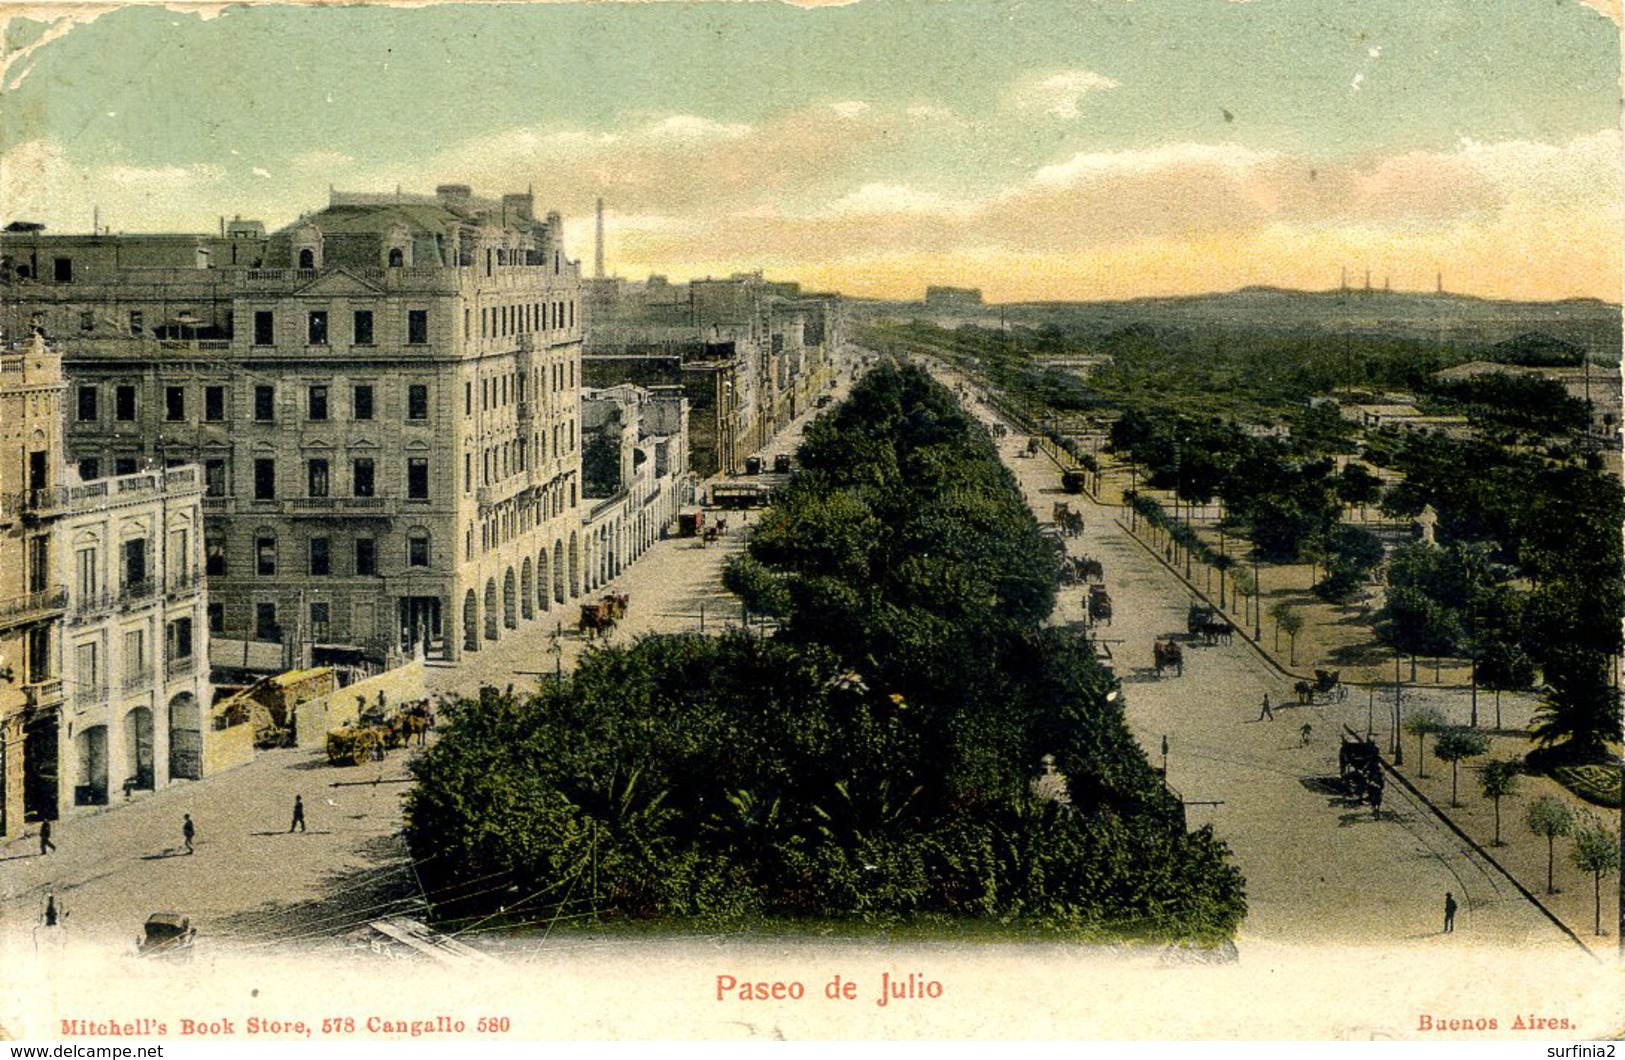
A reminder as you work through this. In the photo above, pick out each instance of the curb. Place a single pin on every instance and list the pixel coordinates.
(1480, 851)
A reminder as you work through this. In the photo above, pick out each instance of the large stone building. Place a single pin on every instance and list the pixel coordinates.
(383, 396)
(101, 614)
(750, 354)
(634, 472)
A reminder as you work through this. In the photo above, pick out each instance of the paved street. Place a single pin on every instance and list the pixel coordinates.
(1316, 870)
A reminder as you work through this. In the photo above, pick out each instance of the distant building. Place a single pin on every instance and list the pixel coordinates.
(750, 354)
(635, 472)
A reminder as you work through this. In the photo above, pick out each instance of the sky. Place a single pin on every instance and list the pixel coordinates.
(1037, 149)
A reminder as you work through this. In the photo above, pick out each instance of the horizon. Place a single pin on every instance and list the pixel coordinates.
(1037, 151)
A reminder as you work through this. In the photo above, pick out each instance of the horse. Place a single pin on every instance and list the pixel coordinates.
(1167, 654)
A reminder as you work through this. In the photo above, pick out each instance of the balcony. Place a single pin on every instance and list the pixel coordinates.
(42, 693)
(134, 679)
(184, 583)
(31, 606)
(34, 503)
(181, 666)
(219, 505)
(337, 506)
(134, 593)
(87, 606)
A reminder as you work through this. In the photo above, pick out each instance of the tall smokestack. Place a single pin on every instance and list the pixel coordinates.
(598, 251)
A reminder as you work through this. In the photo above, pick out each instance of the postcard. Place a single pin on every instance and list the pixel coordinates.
(682, 520)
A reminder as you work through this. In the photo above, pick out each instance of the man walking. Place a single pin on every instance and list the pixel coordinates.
(298, 814)
(1266, 712)
(188, 832)
(1449, 911)
(45, 844)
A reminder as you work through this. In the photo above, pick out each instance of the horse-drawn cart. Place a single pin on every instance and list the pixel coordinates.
(1326, 688)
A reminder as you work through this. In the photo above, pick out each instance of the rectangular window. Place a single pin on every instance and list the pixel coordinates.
(214, 477)
(214, 403)
(417, 402)
(318, 477)
(217, 618)
(321, 563)
(87, 404)
(417, 327)
(86, 566)
(124, 403)
(174, 403)
(265, 557)
(363, 402)
(265, 627)
(135, 562)
(318, 402)
(87, 320)
(39, 653)
(124, 465)
(321, 615)
(214, 553)
(264, 328)
(264, 478)
(136, 327)
(89, 679)
(417, 551)
(317, 333)
(468, 472)
(264, 403)
(90, 469)
(363, 327)
(468, 399)
(39, 563)
(366, 557)
(417, 478)
(362, 477)
(178, 637)
(135, 654)
(63, 270)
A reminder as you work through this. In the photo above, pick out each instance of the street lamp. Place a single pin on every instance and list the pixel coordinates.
(1399, 743)
(1258, 587)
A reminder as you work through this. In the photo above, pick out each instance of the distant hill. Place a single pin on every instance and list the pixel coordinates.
(1539, 329)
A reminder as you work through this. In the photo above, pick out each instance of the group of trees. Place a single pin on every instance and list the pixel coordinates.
(1530, 575)
(874, 758)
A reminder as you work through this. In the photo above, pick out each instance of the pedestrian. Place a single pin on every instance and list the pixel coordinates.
(45, 844)
(1449, 911)
(1376, 797)
(1266, 712)
(298, 814)
(188, 832)
(50, 911)
(1304, 734)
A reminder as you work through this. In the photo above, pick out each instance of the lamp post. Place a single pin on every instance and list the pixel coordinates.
(1399, 743)
(1165, 760)
(1258, 587)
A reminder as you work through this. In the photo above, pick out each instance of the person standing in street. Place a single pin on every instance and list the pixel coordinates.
(1449, 911)
(298, 814)
(1266, 712)
(51, 914)
(45, 844)
(188, 832)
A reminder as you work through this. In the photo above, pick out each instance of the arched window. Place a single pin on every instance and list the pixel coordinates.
(307, 259)
(396, 258)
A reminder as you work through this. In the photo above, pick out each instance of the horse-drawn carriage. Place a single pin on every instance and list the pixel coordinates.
(1327, 687)
(1207, 624)
(1100, 605)
(1168, 655)
(1073, 480)
(1359, 767)
(601, 618)
(1075, 569)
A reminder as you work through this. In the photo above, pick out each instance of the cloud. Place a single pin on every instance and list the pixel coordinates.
(690, 127)
(1061, 94)
(880, 198)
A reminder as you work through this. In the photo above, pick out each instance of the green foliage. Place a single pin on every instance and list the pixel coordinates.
(1352, 553)
(1521, 402)
(1549, 816)
(1455, 744)
(1498, 779)
(875, 758)
(1581, 710)
(1595, 782)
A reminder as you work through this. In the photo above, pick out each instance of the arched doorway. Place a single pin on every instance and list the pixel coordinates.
(510, 605)
(471, 622)
(558, 572)
(91, 789)
(575, 564)
(185, 738)
(490, 609)
(527, 603)
(544, 586)
(138, 758)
